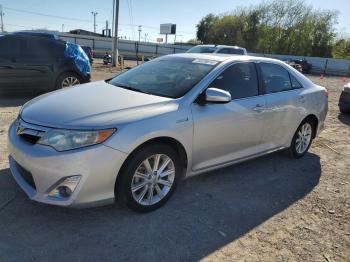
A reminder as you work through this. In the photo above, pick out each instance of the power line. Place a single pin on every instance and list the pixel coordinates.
(47, 15)
(89, 21)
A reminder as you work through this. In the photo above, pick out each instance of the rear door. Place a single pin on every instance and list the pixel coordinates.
(36, 63)
(226, 132)
(284, 105)
(9, 52)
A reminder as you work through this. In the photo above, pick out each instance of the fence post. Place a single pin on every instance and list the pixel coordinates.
(137, 52)
(325, 67)
(157, 50)
(174, 50)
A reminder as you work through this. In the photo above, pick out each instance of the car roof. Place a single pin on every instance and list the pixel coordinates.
(224, 57)
(223, 46)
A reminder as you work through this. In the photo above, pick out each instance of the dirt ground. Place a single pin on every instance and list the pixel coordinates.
(272, 208)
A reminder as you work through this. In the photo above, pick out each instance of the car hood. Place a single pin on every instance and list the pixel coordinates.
(96, 104)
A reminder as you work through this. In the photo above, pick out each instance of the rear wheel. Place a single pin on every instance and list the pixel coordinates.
(150, 177)
(302, 139)
(67, 80)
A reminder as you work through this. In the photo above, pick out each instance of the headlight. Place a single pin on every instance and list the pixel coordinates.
(62, 139)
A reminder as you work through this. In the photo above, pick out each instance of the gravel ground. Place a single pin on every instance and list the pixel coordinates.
(269, 209)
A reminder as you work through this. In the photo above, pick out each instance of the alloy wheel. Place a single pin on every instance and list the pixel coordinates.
(303, 138)
(153, 179)
(70, 81)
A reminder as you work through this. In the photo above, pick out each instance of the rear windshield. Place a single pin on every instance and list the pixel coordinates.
(202, 49)
(168, 77)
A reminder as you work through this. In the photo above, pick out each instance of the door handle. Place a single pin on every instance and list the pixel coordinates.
(302, 99)
(258, 108)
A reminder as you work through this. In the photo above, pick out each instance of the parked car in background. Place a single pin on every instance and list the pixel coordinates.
(344, 100)
(88, 51)
(135, 136)
(306, 67)
(32, 63)
(219, 49)
(294, 65)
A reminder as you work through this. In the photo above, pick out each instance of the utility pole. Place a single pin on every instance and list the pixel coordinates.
(94, 14)
(62, 28)
(115, 39)
(146, 37)
(140, 30)
(2, 19)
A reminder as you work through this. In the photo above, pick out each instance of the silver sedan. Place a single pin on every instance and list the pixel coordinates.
(134, 137)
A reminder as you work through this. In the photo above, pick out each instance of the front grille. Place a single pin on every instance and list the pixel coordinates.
(28, 132)
(30, 138)
(26, 175)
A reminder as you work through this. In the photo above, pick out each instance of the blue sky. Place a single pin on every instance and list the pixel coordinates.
(149, 13)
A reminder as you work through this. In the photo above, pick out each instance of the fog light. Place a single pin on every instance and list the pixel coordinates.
(66, 188)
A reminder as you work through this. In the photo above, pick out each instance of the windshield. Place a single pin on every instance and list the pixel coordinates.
(202, 49)
(168, 77)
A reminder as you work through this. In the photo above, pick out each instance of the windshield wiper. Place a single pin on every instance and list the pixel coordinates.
(132, 89)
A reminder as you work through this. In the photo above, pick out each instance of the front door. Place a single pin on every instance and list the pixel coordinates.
(227, 132)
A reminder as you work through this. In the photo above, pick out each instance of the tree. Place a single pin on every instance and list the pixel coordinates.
(204, 27)
(341, 49)
(278, 26)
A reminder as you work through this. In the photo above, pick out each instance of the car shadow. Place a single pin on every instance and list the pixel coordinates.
(206, 213)
(344, 118)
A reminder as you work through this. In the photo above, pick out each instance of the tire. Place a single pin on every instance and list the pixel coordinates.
(143, 182)
(301, 144)
(69, 75)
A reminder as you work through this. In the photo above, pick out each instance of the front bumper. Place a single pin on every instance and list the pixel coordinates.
(97, 165)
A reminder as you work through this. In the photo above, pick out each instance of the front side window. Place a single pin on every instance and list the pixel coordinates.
(169, 76)
(275, 78)
(239, 79)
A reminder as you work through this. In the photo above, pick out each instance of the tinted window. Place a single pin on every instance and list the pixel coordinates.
(169, 76)
(239, 79)
(9, 48)
(232, 51)
(276, 78)
(295, 83)
(202, 49)
(40, 48)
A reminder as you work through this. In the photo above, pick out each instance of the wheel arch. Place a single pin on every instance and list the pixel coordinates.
(313, 118)
(166, 140)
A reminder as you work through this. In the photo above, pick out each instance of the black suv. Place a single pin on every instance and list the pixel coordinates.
(34, 62)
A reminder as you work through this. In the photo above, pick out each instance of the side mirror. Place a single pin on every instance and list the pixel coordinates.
(215, 95)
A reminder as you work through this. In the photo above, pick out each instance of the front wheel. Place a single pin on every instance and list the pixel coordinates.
(302, 139)
(150, 178)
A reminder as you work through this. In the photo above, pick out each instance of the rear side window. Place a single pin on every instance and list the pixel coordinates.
(39, 48)
(295, 83)
(9, 48)
(239, 79)
(275, 78)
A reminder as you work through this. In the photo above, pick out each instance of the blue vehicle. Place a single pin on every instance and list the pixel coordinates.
(31, 62)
